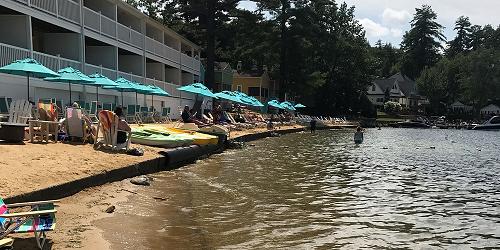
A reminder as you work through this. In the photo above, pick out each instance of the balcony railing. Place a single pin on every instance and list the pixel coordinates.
(161, 50)
(66, 9)
(55, 63)
(10, 53)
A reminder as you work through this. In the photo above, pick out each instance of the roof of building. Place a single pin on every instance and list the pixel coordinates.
(407, 86)
(251, 73)
(491, 106)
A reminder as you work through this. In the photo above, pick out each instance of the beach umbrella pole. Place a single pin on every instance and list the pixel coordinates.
(135, 107)
(97, 93)
(28, 86)
(122, 99)
(69, 84)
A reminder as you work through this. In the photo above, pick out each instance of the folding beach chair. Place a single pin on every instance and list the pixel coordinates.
(165, 115)
(108, 128)
(133, 114)
(75, 124)
(146, 115)
(39, 219)
(4, 105)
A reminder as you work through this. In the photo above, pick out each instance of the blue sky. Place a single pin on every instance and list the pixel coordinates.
(389, 19)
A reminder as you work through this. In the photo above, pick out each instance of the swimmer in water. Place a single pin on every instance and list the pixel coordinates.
(358, 136)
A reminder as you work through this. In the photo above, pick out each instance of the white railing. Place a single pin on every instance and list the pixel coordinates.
(45, 5)
(186, 60)
(130, 36)
(68, 10)
(10, 53)
(109, 73)
(92, 19)
(108, 26)
(55, 63)
(92, 69)
(161, 50)
(136, 38)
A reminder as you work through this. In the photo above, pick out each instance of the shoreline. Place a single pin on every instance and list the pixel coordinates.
(85, 199)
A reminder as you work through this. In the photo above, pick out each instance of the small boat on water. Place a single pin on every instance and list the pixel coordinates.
(491, 124)
(410, 124)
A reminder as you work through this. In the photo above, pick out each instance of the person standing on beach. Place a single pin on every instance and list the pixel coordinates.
(312, 124)
(358, 135)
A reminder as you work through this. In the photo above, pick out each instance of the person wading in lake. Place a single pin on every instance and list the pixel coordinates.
(358, 135)
(312, 124)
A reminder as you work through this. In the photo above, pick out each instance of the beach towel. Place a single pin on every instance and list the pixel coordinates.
(106, 118)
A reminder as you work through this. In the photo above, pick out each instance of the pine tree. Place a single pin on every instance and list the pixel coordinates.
(462, 42)
(421, 45)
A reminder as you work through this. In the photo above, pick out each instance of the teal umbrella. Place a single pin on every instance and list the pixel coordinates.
(197, 88)
(70, 75)
(275, 103)
(157, 91)
(101, 81)
(228, 95)
(28, 67)
(256, 102)
(141, 89)
(287, 105)
(124, 85)
(244, 98)
(299, 106)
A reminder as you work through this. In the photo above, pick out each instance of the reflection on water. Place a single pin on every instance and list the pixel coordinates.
(402, 188)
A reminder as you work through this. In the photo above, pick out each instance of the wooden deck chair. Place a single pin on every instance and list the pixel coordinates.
(20, 111)
(108, 127)
(75, 124)
(39, 219)
(46, 112)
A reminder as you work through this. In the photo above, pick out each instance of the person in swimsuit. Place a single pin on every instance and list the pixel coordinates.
(358, 135)
(123, 127)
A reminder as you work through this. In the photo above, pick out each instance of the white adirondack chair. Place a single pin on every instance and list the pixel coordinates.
(20, 112)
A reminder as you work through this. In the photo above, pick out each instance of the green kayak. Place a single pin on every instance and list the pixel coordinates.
(166, 140)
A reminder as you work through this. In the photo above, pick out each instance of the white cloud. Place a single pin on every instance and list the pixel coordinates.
(373, 29)
(395, 17)
(397, 33)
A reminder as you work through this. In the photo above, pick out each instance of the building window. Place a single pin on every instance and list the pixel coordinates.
(253, 91)
(373, 87)
(265, 92)
(238, 88)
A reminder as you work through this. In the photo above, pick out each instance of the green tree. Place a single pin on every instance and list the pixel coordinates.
(432, 84)
(462, 42)
(385, 59)
(421, 45)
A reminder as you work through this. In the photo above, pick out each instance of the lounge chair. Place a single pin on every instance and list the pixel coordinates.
(107, 106)
(39, 219)
(147, 115)
(108, 127)
(165, 115)
(40, 128)
(75, 124)
(20, 112)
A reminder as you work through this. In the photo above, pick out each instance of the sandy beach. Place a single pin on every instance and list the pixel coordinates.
(34, 166)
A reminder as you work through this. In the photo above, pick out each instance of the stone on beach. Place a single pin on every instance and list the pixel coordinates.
(141, 180)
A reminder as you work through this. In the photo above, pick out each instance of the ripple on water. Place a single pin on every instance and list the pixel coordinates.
(401, 188)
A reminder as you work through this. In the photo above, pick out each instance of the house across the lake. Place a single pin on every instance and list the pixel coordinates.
(489, 110)
(397, 88)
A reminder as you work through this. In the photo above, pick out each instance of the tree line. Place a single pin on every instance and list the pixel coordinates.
(319, 53)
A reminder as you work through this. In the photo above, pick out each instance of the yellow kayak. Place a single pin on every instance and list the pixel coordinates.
(199, 138)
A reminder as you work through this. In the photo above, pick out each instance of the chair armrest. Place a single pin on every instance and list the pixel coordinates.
(24, 204)
(28, 214)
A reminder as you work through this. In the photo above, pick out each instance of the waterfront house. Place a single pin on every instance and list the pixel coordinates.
(256, 83)
(397, 88)
(459, 107)
(106, 36)
(490, 110)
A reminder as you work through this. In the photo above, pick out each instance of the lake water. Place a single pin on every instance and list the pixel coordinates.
(402, 188)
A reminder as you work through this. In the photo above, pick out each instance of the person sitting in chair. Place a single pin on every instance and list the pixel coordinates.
(123, 127)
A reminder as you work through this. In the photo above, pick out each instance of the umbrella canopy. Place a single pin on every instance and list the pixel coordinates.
(298, 105)
(244, 98)
(228, 95)
(124, 85)
(159, 91)
(287, 105)
(101, 81)
(256, 102)
(275, 103)
(28, 67)
(197, 88)
(70, 75)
